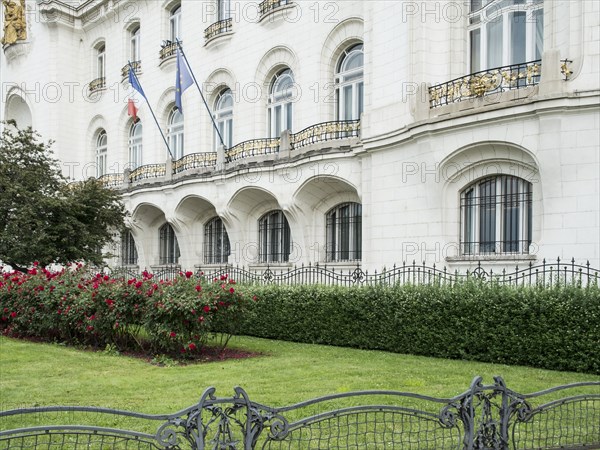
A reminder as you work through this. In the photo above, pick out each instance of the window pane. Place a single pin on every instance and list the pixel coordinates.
(538, 16)
(360, 99)
(494, 43)
(487, 216)
(518, 38)
(289, 116)
(277, 120)
(347, 112)
(475, 50)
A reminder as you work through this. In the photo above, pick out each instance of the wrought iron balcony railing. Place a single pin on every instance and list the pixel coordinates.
(326, 131)
(148, 171)
(486, 82)
(253, 147)
(137, 67)
(112, 180)
(270, 5)
(217, 28)
(97, 84)
(195, 161)
(167, 49)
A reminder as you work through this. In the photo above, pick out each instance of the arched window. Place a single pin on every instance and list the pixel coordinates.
(134, 42)
(224, 118)
(129, 254)
(505, 32)
(101, 153)
(224, 7)
(100, 61)
(349, 84)
(169, 247)
(135, 145)
(274, 238)
(280, 103)
(175, 23)
(344, 232)
(175, 133)
(216, 242)
(495, 215)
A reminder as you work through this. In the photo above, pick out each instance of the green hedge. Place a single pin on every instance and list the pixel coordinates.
(553, 328)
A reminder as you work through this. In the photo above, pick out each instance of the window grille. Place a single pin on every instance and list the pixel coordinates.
(216, 242)
(344, 232)
(274, 238)
(169, 247)
(129, 254)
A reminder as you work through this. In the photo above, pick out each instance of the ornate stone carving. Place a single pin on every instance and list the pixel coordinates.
(15, 26)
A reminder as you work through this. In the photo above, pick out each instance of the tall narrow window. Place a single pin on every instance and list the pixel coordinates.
(349, 84)
(496, 216)
(216, 242)
(135, 145)
(344, 232)
(169, 247)
(274, 238)
(175, 23)
(100, 62)
(280, 112)
(224, 118)
(129, 254)
(175, 133)
(135, 43)
(101, 154)
(224, 7)
(505, 32)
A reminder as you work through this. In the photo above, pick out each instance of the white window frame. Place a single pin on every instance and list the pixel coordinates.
(135, 145)
(175, 23)
(223, 115)
(475, 201)
(350, 82)
(280, 111)
(135, 44)
(492, 10)
(175, 134)
(101, 153)
(101, 61)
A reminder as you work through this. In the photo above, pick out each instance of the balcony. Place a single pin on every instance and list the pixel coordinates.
(195, 161)
(147, 171)
(137, 68)
(486, 82)
(268, 6)
(254, 147)
(326, 131)
(96, 85)
(167, 50)
(112, 180)
(217, 29)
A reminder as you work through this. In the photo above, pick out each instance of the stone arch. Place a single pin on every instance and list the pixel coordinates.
(216, 82)
(17, 108)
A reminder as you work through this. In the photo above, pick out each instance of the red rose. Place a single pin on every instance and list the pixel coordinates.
(188, 274)
(192, 346)
(198, 288)
(232, 290)
(13, 314)
(206, 309)
(173, 334)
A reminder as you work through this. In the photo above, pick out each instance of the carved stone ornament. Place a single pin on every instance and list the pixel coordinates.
(15, 27)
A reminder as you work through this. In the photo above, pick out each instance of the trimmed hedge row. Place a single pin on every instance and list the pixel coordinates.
(73, 307)
(552, 328)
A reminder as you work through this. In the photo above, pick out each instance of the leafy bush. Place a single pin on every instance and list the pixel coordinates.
(554, 328)
(72, 307)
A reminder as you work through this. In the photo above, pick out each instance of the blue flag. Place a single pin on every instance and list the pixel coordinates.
(133, 81)
(184, 80)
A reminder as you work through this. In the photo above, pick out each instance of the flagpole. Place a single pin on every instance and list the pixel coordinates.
(132, 71)
(200, 90)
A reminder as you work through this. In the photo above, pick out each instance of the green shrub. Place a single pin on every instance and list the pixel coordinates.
(553, 328)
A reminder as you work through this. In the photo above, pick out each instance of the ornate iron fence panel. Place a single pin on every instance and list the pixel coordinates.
(326, 131)
(486, 82)
(267, 6)
(218, 28)
(195, 161)
(483, 417)
(253, 147)
(543, 274)
(148, 171)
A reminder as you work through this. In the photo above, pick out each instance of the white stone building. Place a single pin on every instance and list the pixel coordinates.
(370, 132)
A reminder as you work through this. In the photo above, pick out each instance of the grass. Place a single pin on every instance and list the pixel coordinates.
(33, 374)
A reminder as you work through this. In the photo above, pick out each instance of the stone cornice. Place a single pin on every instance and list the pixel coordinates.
(86, 14)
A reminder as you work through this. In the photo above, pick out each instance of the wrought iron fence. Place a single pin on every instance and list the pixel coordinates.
(483, 417)
(270, 5)
(486, 82)
(195, 161)
(97, 84)
(217, 28)
(253, 147)
(148, 171)
(326, 131)
(137, 67)
(545, 274)
(167, 49)
(112, 180)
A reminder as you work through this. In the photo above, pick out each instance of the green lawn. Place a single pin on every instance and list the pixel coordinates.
(45, 374)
